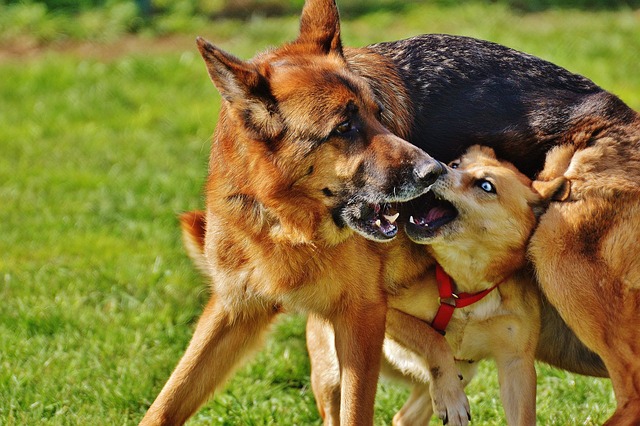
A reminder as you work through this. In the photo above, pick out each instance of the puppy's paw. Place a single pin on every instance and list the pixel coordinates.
(449, 401)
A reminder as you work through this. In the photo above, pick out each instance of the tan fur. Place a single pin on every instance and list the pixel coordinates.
(298, 162)
(193, 229)
(585, 252)
(484, 245)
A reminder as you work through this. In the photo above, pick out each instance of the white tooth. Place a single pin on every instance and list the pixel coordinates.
(411, 220)
(391, 219)
(378, 223)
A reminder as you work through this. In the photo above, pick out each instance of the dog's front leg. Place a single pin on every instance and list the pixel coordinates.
(517, 376)
(359, 334)
(221, 340)
(449, 401)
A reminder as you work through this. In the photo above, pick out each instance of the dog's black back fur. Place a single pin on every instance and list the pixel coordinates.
(466, 91)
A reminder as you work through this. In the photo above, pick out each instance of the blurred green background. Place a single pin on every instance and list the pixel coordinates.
(49, 20)
(105, 117)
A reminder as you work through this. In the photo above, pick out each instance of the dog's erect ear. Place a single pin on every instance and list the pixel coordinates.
(245, 88)
(234, 78)
(320, 26)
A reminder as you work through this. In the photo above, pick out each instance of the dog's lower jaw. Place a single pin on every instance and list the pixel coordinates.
(376, 222)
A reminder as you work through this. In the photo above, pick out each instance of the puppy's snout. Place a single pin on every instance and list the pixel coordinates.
(428, 171)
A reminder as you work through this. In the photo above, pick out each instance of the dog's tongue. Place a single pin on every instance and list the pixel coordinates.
(435, 213)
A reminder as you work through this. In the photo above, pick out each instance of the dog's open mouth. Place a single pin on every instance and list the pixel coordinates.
(381, 218)
(375, 221)
(427, 214)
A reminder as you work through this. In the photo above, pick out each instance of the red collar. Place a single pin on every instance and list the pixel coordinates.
(449, 301)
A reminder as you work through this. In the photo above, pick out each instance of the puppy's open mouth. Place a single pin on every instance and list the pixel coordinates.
(427, 214)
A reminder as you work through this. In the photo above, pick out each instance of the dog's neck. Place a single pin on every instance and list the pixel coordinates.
(476, 266)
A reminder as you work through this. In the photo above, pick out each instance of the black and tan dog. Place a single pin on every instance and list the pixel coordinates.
(304, 162)
(302, 175)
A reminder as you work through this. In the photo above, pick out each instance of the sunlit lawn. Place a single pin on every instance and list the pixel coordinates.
(98, 156)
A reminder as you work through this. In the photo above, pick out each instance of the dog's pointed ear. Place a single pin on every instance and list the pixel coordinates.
(320, 26)
(558, 189)
(245, 88)
(233, 77)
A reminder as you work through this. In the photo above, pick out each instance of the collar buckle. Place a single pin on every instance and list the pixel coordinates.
(451, 300)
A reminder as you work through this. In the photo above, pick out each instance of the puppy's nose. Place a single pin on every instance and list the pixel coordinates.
(428, 171)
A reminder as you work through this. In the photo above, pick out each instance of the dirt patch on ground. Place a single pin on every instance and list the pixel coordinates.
(24, 50)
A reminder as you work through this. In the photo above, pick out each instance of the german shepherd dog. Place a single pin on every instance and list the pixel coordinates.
(301, 179)
(482, 212)
(307, 158)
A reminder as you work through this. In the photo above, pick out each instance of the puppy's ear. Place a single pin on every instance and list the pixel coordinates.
(246, 89)
(558, 189)
(320, 26)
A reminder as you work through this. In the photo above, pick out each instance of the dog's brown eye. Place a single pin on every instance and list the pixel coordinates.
(486, 186)
(454, 165)
(344, 127)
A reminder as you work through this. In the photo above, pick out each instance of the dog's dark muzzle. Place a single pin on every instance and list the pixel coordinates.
(416, 180)
(428, 171)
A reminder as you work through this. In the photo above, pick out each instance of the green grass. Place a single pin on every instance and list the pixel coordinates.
(98, 156)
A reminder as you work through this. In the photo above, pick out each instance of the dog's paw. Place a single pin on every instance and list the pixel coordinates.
(449, 401)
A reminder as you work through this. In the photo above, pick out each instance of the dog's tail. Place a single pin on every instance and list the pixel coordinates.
(560, 347)
(193, 231)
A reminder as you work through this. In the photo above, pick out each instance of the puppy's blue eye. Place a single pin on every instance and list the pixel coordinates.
(486, 186)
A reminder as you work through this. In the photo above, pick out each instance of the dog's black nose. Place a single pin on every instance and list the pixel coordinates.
(428, 171)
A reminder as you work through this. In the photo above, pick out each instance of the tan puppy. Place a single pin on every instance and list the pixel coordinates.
(585, 249)
(476, 221)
